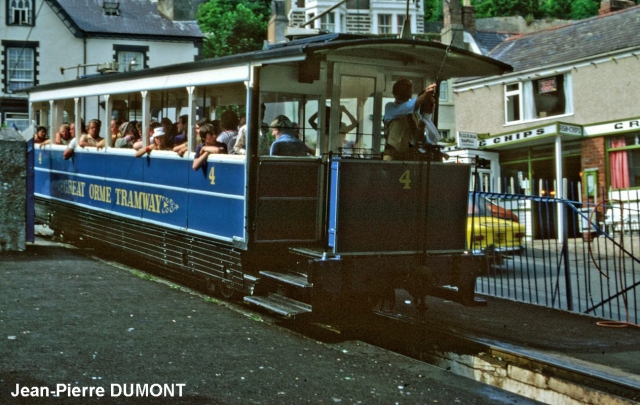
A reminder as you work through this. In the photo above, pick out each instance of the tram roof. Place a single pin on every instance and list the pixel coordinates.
(434, 57)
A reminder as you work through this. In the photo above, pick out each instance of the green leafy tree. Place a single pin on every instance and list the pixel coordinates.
(506, 8)
(560, 9)
(581, 9)
(433, 10)
(233, 26)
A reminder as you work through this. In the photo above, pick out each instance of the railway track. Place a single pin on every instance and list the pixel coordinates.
(547, 377)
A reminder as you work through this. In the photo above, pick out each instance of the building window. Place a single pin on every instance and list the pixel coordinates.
(445, 136)
(624, 161)
(444, 91)
(131, 58)
(20, 12)
(328, 22)
(513, 107)
(540, 98)
(401, 18)
(16, 120)
(19, 68)
(384, 24)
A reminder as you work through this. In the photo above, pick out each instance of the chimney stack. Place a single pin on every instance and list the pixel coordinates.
(469, 18)
(452, 29)
(609, 6)
(179, 10)
(277, 23)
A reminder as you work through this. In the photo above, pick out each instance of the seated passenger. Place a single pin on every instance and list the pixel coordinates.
(129, 135)
(211, 145)
(240, 148)
(115, 130)
(137, 145)
(181, 130)
(286, 144)
(297, 134)
(229, 123)
(92, 137)
(63, 136)
(159, 142)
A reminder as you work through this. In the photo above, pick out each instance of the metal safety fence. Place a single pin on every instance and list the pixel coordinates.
(563, 254)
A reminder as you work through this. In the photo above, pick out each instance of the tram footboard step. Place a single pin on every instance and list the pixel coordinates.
(286, 278)
(279, 304)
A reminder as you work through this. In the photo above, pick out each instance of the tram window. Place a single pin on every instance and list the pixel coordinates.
(299, 108)
(355, 130)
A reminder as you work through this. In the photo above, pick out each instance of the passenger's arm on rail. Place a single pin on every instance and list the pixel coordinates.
(141, 152)
(200, 160)
(83, 141)
(181, 149)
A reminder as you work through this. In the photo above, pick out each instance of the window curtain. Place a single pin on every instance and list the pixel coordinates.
(529, 104)
(568, 95)
(619, 164)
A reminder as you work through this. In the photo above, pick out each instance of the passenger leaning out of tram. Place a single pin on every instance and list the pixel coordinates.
(40, 137)
(71, 146)
(158, 142)
(286, 143)
(92, 137)
(210, 146)
(63, 136)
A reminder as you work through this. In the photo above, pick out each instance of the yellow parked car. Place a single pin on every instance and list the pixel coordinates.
(491, 228)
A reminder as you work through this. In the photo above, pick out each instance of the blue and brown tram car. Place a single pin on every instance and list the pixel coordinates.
(294, 234)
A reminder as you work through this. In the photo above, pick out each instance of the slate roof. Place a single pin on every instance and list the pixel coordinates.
(137, 19)
(581, 39)
(487, 41)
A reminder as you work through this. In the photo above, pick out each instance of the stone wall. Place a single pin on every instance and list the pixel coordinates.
(13, 190)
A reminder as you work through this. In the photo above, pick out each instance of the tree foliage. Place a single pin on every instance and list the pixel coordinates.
(581, 9)
(507, 8)
(233, 26)
(529, 9)
(433, 10)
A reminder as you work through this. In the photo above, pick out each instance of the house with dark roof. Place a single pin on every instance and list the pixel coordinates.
(46, 41)
(568, 110)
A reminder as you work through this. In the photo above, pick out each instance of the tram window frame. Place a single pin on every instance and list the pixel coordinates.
(278, 100)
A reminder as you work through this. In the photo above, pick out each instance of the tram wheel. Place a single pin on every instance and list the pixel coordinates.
(225, 291)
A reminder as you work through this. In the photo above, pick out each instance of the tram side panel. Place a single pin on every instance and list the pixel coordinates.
(288, 210)
(216, 199)
(380, 207)
(377, 226)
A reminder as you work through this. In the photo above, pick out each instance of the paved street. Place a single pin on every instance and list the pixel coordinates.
(72, 320)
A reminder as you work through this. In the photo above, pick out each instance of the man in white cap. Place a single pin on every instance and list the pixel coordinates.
(286, 143)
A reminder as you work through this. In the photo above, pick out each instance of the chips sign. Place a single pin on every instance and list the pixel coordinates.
(467, 140)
